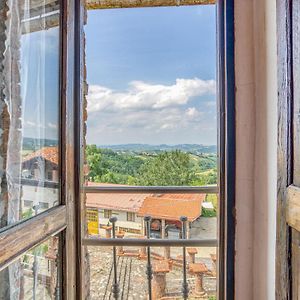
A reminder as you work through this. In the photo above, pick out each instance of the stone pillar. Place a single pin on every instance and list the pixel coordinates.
(188, 230)
(167, 252)
(163, 228)
(199, 284)
(120, 250)
(214, 268)
(143, 249)
(107, 231)
(192, 255)
(161, 268)
(198, 270)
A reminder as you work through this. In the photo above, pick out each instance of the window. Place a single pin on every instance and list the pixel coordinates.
(50, 176)
(107, 213)
(34, 136)
(130, 217)
(31, 98)
(40, 61)
(43, 205)
(152, 125)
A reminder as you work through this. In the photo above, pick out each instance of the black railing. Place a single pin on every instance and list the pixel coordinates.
(115, 242)
(148, 242)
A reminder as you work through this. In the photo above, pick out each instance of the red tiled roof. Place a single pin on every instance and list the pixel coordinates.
(173, 206)
(48, 153)
(123, 202)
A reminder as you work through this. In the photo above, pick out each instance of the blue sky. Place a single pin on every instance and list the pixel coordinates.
(40, 83)
(151, 75)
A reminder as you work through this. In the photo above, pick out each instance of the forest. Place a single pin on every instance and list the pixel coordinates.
(155, 166)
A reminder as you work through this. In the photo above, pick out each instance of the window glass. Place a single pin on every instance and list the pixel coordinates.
(29, 97)
(152, 109)
(34, 275)
(152, 121)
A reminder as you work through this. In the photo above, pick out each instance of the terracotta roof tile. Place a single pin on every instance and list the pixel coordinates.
(124, 202)
(48, 153)
(173, 206)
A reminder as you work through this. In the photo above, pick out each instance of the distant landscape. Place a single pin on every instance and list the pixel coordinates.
(143, 164)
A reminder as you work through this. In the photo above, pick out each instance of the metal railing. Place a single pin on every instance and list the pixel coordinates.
(211, 189)
(148, 242)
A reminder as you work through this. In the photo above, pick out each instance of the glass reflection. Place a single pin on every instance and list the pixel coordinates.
(34, 275)
(29, 109)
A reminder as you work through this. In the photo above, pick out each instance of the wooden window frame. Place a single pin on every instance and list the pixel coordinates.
(62, 219)
(130, 216)
(68, 217)
(107, 213)
(226, 134)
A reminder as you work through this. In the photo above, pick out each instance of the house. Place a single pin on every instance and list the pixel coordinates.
(124, 206)
(41, 168)
(130, 209)
(166, 210)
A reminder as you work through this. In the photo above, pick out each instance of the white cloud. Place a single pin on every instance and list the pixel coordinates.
(192, 113)
(53, 126)
(148, 112)
(141, 95)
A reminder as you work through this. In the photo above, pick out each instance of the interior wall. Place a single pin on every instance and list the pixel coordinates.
(265, 149)
(245, 147)
(256, 123)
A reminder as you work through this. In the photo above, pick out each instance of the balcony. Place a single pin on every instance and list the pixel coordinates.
(154, 264)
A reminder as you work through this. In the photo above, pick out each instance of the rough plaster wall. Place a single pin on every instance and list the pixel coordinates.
(245, 147)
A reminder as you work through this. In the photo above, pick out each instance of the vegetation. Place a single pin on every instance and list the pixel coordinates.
(155, 167)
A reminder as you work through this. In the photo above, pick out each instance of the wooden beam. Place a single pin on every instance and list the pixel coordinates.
(284, 149)
(104, 4)
(293, 207)
(16, 240)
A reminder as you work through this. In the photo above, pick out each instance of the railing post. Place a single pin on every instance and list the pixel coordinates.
(115, 286)
(185, 288)
(149, 272)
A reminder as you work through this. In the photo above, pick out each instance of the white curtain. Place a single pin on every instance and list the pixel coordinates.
(24, 98)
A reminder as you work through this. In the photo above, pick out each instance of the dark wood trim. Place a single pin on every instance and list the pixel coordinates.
(69, 245)
(79, 142)
(226, 101)
(25, 235)
(284, 151)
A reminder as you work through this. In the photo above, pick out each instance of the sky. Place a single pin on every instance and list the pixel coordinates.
(151, 75)
(39, 71)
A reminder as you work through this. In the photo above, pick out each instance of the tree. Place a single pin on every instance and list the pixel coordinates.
(95, 162)
(168, 168)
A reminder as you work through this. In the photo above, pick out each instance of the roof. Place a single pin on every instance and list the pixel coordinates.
(123, 202)
(173, 206)
(48, 153)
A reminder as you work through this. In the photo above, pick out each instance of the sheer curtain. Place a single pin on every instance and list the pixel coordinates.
(29, 61)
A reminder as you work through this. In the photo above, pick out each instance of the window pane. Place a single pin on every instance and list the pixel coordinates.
(152, 96)
(34, 275)
(29, 109)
